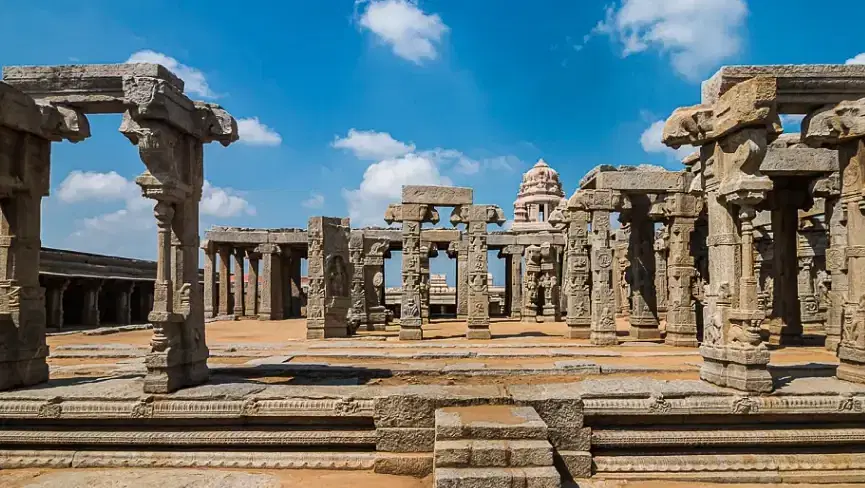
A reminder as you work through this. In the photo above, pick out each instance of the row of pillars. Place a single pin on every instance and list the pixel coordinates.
(93, 301)
(262, 282)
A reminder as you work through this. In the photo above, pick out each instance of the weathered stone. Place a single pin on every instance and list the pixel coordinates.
(437, 195)
(404, 464)
(330, 274)
(402, 439)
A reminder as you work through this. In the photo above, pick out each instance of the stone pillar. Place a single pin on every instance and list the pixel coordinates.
(623, 278)
(90, 302)
(224, 300)
(377, 250)
(786, 326)
(269, 307)
(358, 313)
(411, 215)
(661, 286)
(124, 302)
(330, 274)
(476, 218)
(211, 288)
(733, 134)
(579, 317)
(427, 250)
(239, 284)
(513, 254)
(54, 302)
(531, 285)
(252, 286)
(459, 250)
(603, 326)
(550, 283)
(643, 317)
(682, 211)
(836, 256)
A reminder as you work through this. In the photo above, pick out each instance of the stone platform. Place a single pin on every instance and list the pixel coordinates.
(632, 412)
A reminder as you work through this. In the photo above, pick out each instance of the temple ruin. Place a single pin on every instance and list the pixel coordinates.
(709, 278)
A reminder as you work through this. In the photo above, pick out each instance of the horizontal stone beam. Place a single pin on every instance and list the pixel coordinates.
(801, 88)
(497, 240)
(641, 181)
(794, 161)
(437, 195)
(93, 88)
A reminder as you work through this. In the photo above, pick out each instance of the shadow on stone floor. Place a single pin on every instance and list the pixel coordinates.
(783, 375)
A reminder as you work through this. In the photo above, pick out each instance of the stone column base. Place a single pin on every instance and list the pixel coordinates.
(852, 367)
(478, 333)
(326, 332)
(645, 332)
(175, 368)
(27, 372)
(580, 331)
(681, 335)
(740, 368)
(410, 334)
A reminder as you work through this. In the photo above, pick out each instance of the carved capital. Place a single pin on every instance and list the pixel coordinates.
(834, 124)
(215, 124)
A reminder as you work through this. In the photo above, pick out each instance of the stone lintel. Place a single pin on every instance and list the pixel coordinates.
(801, 88)
(95, 88)
(287, 237)
(793, 161)
(644, 181)
(437, 195)
(238, 237)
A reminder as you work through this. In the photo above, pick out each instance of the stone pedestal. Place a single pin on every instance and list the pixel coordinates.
(330, 273)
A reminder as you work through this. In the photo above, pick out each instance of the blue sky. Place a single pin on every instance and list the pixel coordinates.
(342, 102)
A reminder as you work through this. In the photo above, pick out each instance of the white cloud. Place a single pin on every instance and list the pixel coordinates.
(857, 59)
(650, 139)
(315, 200)
(254, 133)
(697, 34)
(223, 202)
(88, 185)
(372, 145)
(411, 33)
(382, 184)
(193, 79)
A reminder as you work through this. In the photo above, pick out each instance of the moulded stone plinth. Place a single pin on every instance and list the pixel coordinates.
(739, 368)
(578, 332)
(852, 367)
(406, 334)
(478, 334)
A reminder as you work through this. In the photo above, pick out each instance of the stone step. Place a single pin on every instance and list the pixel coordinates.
(546, 477)
(489, 422)
(487, 454)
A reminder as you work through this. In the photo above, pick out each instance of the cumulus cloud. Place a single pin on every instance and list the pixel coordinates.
(382, 184)
(372, 145)
(315, 200)
(223, 202)
(193, 79)
(88, 185)
(411, 33)
(254, 133)
(650, 140)
(857, 59)
(697, 35)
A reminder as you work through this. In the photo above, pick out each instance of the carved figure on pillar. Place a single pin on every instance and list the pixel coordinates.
(577, 275)
(330, 278)
(377, 250)
(681, 211)
(833, 291)
(660, 247)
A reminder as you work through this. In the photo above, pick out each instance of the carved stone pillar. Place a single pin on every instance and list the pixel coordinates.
(621, 279)
(513, 255)
(211, 288)
(843, 126)
(603, 327)
(376, 252)
(427, 250)
(252, 286)
(330, 273)
(412, 215)
(269, 307)
(836, 256)
(239, 285)
(531, 284)
(90, 303)
(224, 301)
(124, 302)
(358, 311)
(549, 281)
(579, 316)
(786, 325)
(459, 250)
(293, 308)
(682, 211)
(476, 218)
(661, 287)
(54, 302)
(643, 317)
(733, 135)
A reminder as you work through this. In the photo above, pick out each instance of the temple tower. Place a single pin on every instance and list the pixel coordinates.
(540, 193)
